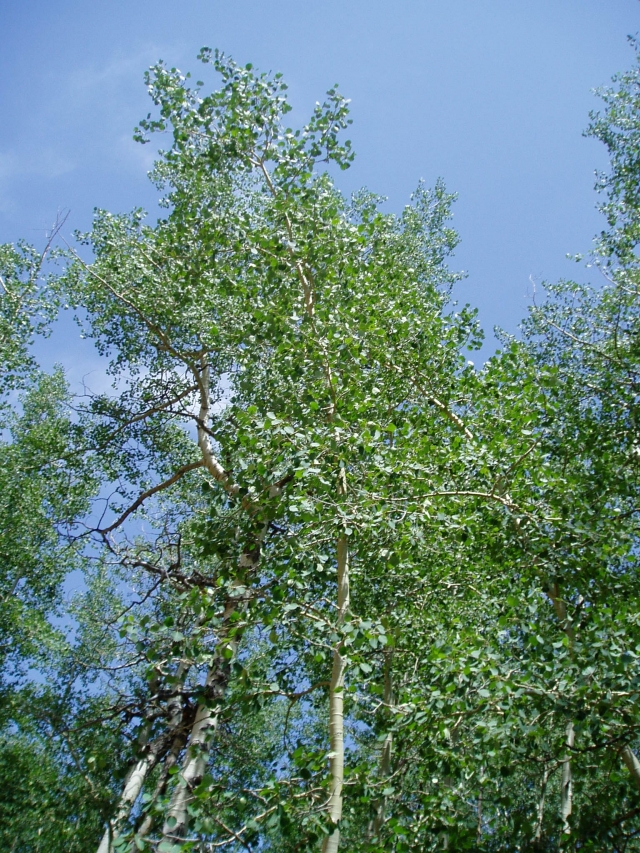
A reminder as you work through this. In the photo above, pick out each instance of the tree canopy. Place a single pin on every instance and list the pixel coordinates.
(338, 589)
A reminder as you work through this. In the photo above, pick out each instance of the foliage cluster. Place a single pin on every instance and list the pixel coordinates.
(340, 589)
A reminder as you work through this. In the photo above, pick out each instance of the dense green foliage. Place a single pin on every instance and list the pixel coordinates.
(340, 589)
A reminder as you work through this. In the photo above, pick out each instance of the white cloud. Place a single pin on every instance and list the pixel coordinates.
(41, 162)
(104, 81)
(46, 163)
(138, 156)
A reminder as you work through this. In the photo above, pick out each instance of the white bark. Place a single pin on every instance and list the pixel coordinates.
(566, 785)
(195, 760)
(387, 749)
(566, 791)
(177, 746)
(632, 764)
(331, 842)
(543, 794)
(132, 787)
(194, 764)
(212, 465)
(375, 825)
(178, 738)
(136, 777)
(197, 755)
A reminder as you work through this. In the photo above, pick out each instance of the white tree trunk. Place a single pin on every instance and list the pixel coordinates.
(543, 794)
(195, 760)
(177, 746)
(177, 736)
(566, 785)
(331, 842)
(132, 787)
(204, 726)
(196, 757)
(566, 791)
(375, 824)
(632, 764)
(133, 784)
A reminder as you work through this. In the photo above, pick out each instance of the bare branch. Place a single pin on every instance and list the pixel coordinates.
(154, 490)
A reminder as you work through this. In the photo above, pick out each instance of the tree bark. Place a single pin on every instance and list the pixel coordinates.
(543, 792)
(177, 745)
(133, 784)
(331, 842)
(196, 757)
(197, 754)
(132, 787)
(375, 824)
(566, 785)
(566, 791)
(178, 737)
(632, 764)
(134, 780)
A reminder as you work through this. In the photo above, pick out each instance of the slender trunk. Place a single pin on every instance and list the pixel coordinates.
(632, 764)
(177, 746)
(134, 781)
(194, 763)
(566, 791)
(543, 794)
(197, 755)
(375, 824)
(132, 787)
(387, 749)
(177, 733)
(628, 756)
(331, 842)
(204, 726)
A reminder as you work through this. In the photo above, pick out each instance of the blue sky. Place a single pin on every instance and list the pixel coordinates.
(491, 95)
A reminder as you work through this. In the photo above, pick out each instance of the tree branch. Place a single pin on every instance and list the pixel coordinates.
(154, 490)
